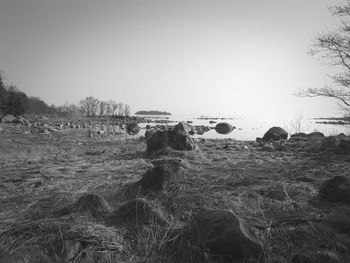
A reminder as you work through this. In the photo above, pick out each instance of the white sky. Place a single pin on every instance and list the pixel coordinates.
(237, 57)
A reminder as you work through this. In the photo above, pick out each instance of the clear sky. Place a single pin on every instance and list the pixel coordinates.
(217, 57)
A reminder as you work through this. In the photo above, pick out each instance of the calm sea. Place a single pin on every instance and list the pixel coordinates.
(248, 128)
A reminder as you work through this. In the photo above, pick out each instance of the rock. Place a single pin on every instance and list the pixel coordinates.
(95, 205)
(276, 194)
(268, 147)
(174, 164)
(100, 132)
(44, 131)
(22, 120)
(148, 134)
(329, 142)
(315, 135)
(200, 130)
(132, 128)
(139, 212)
(316, 257)
(343, 145)
(275, 134)
(163, 139)
(71, 250)
(183, 128)
(339, 221)
(298, 135)
(336, 189)
(339, 144)
(224, 128)
(159, 178)
(222, 232)
(10, 119)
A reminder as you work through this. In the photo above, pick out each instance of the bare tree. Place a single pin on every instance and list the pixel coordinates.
(108, 108)
(102, 107)
(121, 109)
(333, 47)
(114, 106)
(126, 109)
(89, 106)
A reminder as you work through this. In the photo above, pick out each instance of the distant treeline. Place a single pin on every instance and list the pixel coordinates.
(152, 112)
(15, 102)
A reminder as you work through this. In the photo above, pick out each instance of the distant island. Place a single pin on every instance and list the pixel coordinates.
(152, 112)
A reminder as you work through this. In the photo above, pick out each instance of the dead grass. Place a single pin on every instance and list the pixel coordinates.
(41, 175)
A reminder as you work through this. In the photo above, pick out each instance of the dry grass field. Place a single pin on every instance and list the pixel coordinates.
(273, 187)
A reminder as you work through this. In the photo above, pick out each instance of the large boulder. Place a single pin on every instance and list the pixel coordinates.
(275, 134)
(170, 138)
(224, 128)
(336, 189)
(132, 128)
(183, 128)
(222, 232)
